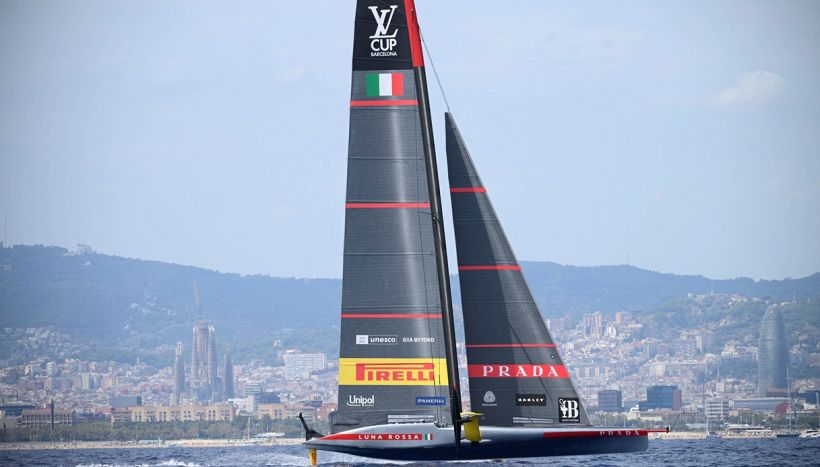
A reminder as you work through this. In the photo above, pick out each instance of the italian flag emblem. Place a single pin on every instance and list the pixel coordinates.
(428, 437)
(384, 84)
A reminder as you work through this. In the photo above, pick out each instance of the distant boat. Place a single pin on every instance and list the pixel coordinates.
(399, 391)
(744, 431)
(810, 433)
(790, 433)
(269, 435)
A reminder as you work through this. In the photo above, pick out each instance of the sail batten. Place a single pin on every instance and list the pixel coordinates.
(515, 372)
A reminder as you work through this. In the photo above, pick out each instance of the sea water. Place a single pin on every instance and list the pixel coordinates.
(708, 452)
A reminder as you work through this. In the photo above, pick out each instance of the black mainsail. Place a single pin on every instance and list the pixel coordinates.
(516, 376)
(396, 322)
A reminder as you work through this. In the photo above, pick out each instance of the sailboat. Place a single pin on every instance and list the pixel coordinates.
(399, 387)
(790, 414)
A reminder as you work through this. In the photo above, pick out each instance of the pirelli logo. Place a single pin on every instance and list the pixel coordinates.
(392, 372)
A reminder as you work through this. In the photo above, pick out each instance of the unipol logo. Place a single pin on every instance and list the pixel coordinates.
(361, 401)
(569, 410)
(382, 42)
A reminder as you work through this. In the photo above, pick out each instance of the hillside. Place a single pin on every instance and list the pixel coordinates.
(124, 304)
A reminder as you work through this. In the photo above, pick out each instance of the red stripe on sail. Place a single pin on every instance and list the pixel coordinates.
(513, 370)
(386, 205)
(477, 189)
(497, 267)
(588, 434)
(488, 346)
(398, 84)
(391, 315)
(384, 103)
(413, 32)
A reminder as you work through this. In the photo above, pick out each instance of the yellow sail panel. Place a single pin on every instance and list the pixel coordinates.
(392, 372)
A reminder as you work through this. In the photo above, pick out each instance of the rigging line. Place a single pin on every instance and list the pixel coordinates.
(435, 73)
(419, 214)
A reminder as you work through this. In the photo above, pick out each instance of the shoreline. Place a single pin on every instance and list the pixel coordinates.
(185, 443)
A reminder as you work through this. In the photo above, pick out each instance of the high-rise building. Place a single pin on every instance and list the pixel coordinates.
(227, 376)
(662, 397)
(203, 360)
(609, 400)
(593, 324)
(203, 357)
(773, 355)
(300, 365)
(179, 376)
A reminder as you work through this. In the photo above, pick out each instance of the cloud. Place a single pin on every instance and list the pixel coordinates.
(753, 86)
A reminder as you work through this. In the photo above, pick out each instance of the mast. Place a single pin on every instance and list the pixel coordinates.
(442, 270)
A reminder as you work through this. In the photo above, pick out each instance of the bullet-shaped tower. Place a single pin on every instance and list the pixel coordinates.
(773, 355)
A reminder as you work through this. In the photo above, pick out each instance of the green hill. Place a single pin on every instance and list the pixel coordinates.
(125, 305)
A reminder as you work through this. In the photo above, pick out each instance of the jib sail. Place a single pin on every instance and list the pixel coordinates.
(516, 376)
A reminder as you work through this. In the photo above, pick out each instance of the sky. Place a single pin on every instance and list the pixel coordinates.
(681, 137)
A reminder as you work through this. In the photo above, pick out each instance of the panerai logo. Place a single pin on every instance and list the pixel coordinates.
(382, 42)
(361, 401)
(489, 399)
(569, 410)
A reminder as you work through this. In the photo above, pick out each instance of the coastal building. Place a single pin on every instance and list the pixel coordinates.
(123, 401)
(610, 400)
(274, 411)
(716, 408)
(42, 417)
(183, 413)
(759, 404)
(15, 409)
(244, 405)
(300, 365)
(251, 388)
(773, 355)
(662, 397)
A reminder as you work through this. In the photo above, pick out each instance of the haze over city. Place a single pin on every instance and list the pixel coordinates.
(679, 137)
